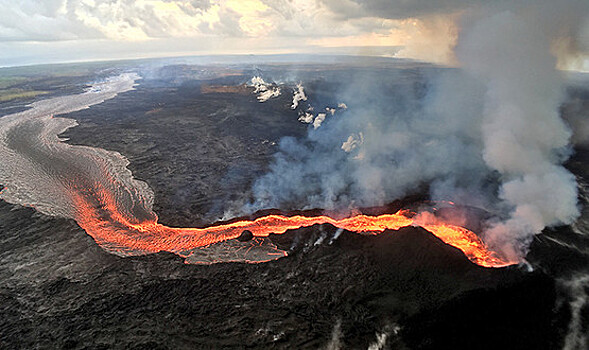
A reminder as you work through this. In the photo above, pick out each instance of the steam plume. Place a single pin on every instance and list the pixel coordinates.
(298, 96)
(524, 139)
(487, 135)
(264, 90)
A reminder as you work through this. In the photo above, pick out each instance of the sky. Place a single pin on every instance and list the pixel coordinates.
(47, 31)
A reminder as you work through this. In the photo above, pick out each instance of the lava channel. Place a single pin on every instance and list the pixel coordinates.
(124, 235)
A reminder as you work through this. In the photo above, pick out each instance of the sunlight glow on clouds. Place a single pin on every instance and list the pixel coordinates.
(418, 29)
(429, 40)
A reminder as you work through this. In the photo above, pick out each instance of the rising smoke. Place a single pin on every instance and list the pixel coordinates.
(487, 135)
(524, 138)
(264, 90)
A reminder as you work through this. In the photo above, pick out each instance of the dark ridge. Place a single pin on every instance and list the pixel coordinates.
(409, 247)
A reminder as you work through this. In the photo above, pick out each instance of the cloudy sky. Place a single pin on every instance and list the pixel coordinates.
(40, 31)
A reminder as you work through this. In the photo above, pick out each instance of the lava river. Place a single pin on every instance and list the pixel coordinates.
(94, 187)
(115, 232)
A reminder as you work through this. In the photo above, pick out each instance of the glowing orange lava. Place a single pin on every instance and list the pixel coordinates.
(116, 232)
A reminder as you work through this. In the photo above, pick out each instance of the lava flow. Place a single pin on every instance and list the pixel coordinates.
(94, 187)
(117, 232)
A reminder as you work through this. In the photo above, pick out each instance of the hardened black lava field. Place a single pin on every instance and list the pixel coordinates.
(197, 137)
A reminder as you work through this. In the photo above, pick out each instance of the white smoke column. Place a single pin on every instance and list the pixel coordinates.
(353, 142)
(577, 334)
(264, 96)
(524, 138)
(264, 90)
(298, 96)
(306, 117)
(259, 84)
(381, 341)
(336, 343)
(319, 120)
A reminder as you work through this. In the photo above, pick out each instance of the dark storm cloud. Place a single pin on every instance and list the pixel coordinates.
(397, 9)
(400, 9)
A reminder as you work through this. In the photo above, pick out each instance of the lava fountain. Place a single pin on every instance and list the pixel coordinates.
(94, 187)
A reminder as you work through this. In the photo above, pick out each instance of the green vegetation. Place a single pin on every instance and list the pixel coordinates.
(31, 81)
(12, 94)
(8, 81)
(27, 82)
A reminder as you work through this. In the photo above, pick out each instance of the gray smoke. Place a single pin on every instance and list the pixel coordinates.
(488, 134)
(397, 146)
(524, 138)
(578, 332)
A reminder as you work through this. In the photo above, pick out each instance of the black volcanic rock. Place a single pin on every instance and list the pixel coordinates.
(245, 236)
(490, 319)
(76, 295)
(410, 247)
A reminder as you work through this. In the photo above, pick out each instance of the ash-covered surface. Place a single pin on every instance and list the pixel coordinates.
(198, 151)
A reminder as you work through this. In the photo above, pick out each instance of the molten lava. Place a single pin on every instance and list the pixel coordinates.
(94, 187)
(126, 235)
